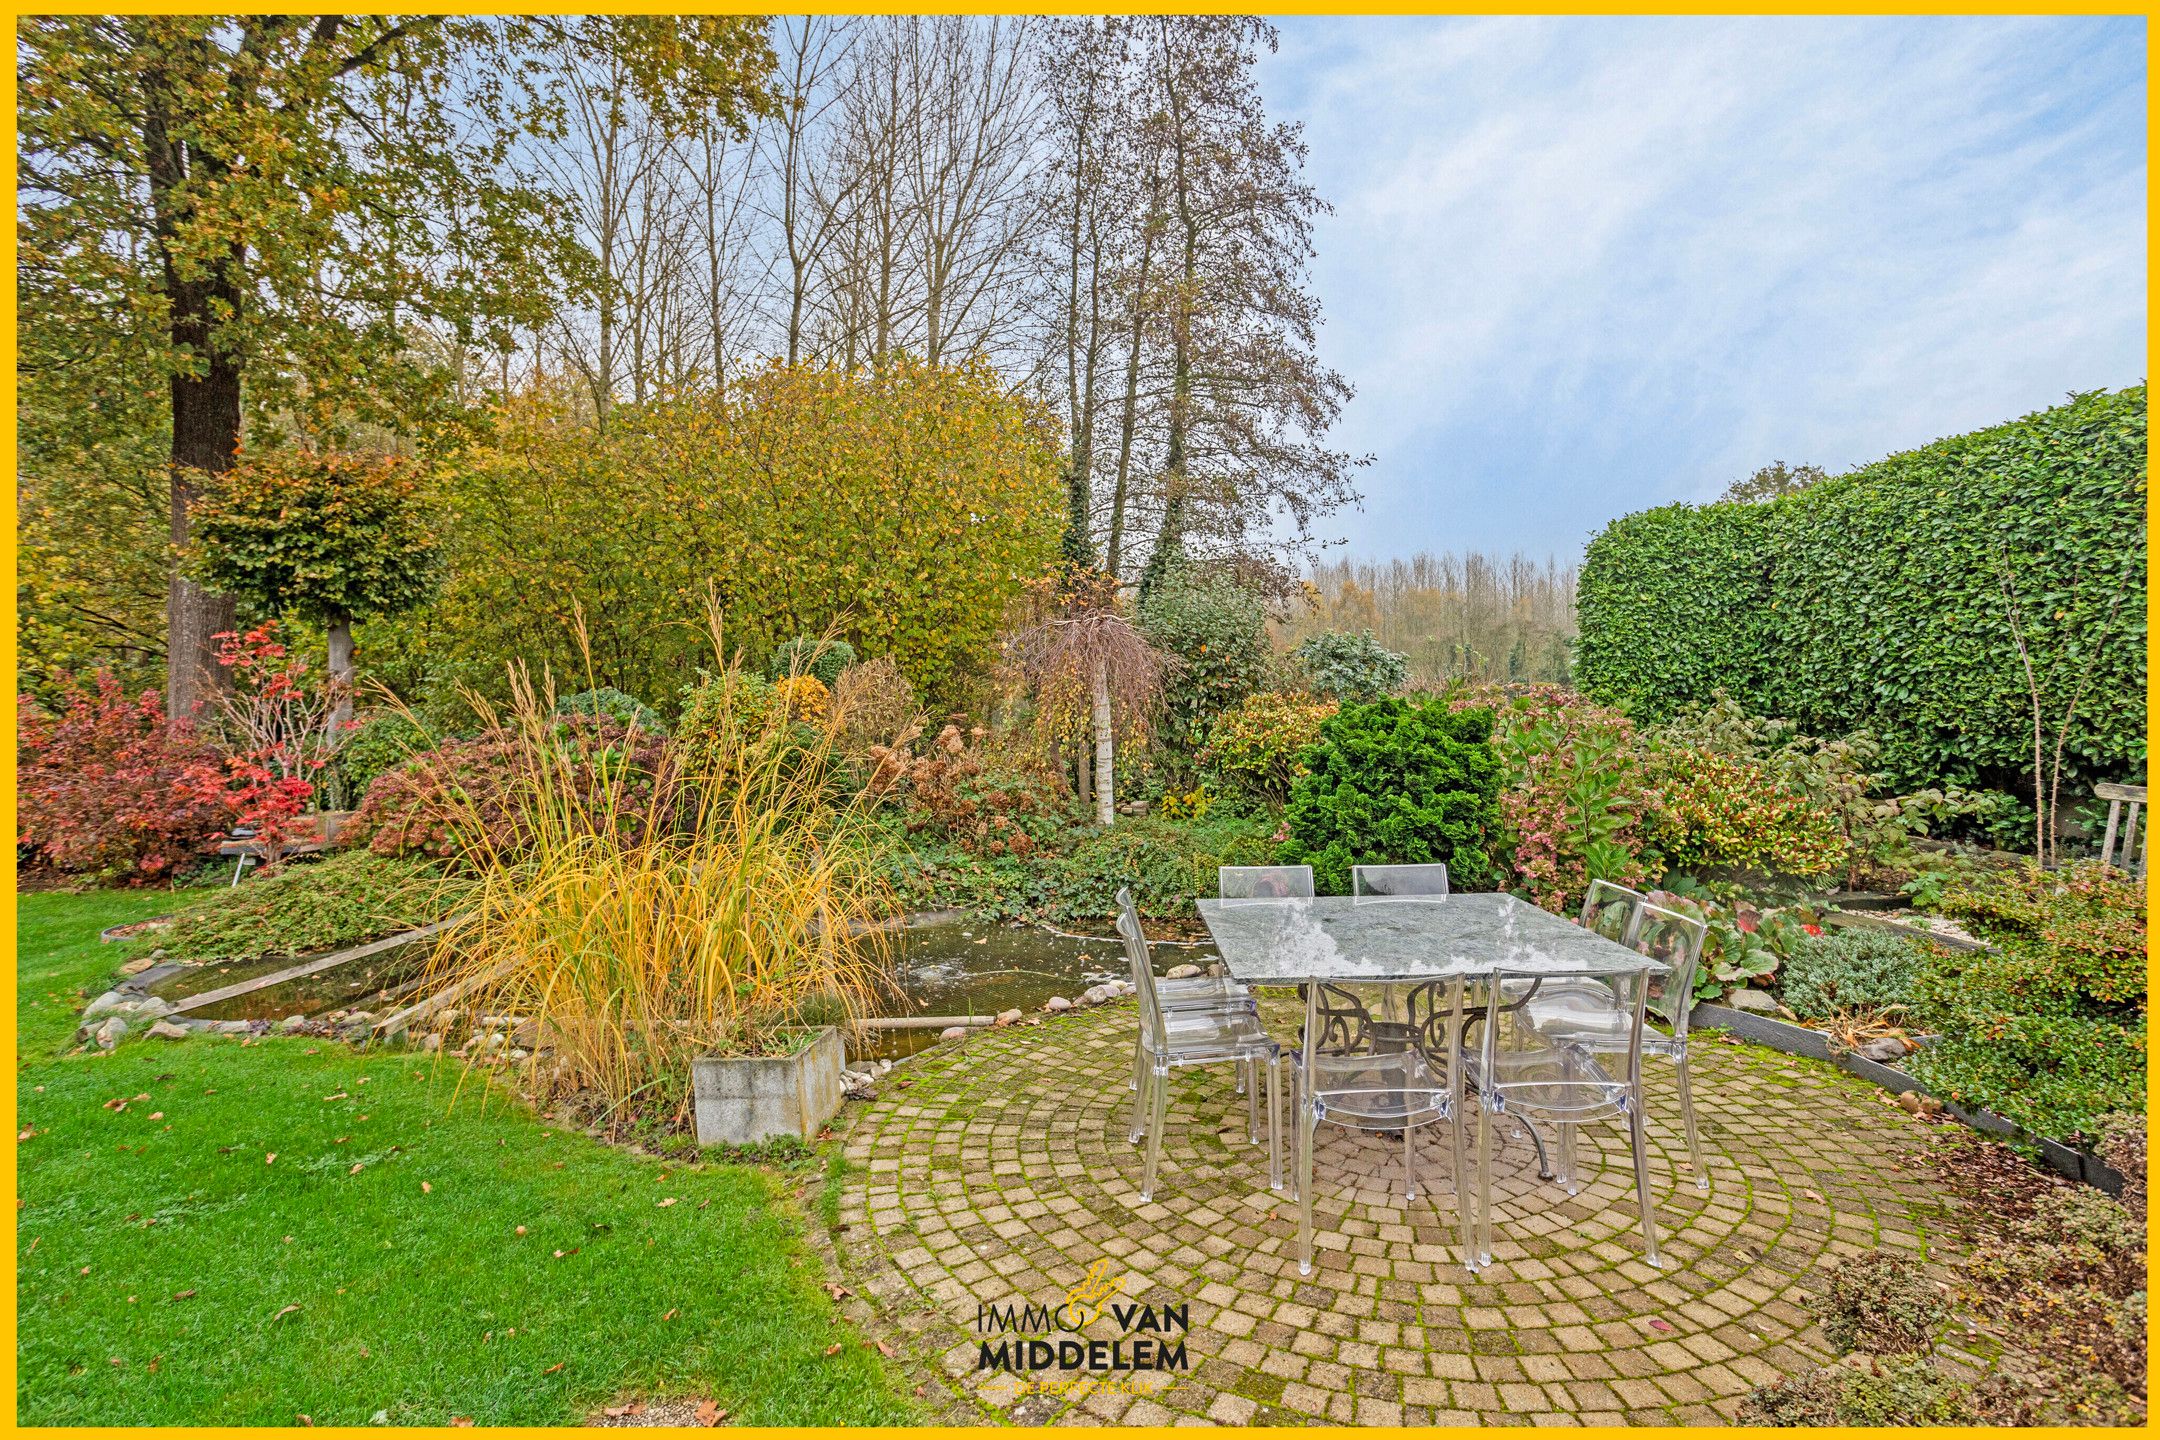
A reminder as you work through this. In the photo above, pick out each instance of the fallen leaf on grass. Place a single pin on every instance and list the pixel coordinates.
(271, 1158)
(183, 1294)
(833, 1349)
(883, 1349)
(555, 1367)
(303, 1420)
(462, 1422)
(26, 1132)
(669, 1316)
(667, 1202)
(289, 1309)
(837, 1291)
(709, 1413)
(356, 1169)
(426, 1189)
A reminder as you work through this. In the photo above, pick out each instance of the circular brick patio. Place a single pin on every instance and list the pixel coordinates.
(997, 1170)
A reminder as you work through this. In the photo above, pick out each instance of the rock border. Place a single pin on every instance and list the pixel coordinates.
(1783, 1035)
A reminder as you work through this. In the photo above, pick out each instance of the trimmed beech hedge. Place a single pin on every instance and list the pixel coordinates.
(1875, 600)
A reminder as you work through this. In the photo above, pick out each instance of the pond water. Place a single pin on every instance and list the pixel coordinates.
(953, 968)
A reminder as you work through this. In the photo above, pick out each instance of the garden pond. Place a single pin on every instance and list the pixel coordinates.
(944, 966)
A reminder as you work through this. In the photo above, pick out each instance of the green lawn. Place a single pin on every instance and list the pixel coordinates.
(170, 1272)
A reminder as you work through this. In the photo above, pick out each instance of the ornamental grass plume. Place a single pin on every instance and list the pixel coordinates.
(644, 920)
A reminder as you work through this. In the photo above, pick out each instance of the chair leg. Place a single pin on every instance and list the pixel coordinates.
(1642, 1183)
(1409, 1159)
(1158, 1115)
(1139, 1063)
(1484, 1200)
(1243, 1066)
(1459, 1178)
(1252, 1100)
(1139, 1097)
(1306, 1124)
(1274, 1124)
(1687, 1120)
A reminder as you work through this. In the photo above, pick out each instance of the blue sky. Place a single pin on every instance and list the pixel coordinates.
(1578, 267)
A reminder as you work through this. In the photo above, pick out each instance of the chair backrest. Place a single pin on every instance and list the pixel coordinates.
(1630, 991)
(1399, 882)
(1676, 939)
(1143, 970)
(1264, 882)
(1612, 911)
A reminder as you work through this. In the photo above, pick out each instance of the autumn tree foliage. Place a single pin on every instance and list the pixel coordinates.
(257, 213)
(899, 510)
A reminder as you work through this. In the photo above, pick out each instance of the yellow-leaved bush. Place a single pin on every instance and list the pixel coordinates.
(899, 510)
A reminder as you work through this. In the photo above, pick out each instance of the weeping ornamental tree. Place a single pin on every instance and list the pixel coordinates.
(1086, 658)
(331, 537)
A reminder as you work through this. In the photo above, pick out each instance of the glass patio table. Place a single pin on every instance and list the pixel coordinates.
(1399, 939)
(1406, 943)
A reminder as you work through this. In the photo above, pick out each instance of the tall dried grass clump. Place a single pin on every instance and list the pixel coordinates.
(706, 907)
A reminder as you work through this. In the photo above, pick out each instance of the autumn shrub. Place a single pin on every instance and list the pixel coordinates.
(1878, 1302)
(1166, 864)
(1710, 812)
(1342, 666)
(1572, 808)
(1253, 748)
(441, 802)
(1397, 781)
(722, 710)
(383, 740)
(803, 699)
(607, 703)
(804, 655)
(954, 791)
(100, 789)
(347, 898)
(1214, 627)
(2047, 1025)
(872, 704)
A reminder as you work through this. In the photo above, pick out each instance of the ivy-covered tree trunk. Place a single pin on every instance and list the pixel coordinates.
(1105, 750)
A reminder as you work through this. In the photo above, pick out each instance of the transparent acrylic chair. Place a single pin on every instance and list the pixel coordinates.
(1561, 1084)
(1399, 882)
(1587, 1017)
(1389, 1090)
(1611, 909)
(1171, 1038)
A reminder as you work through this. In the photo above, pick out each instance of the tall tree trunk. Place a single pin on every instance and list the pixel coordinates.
(342, 672)
(205, 438)
(1105, 750)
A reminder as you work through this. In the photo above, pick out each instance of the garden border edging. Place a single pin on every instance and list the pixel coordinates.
(1783, 1035)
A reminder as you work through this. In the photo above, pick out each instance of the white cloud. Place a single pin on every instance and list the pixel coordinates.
(1582, 266)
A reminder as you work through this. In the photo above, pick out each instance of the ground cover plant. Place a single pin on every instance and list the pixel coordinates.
(2048, 1027)
(401, 1260)
(345, 899)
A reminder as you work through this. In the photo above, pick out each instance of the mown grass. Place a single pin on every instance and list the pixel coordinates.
(169, 1272)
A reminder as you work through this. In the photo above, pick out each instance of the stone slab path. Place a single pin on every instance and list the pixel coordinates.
(996, 1170)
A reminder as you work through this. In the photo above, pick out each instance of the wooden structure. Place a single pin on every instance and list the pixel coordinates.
(2123, 846)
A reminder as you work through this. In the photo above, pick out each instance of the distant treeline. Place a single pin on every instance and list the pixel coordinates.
(1473, 616)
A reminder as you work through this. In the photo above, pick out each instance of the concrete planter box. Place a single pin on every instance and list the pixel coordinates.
(751, 1099)
(2071, 1164)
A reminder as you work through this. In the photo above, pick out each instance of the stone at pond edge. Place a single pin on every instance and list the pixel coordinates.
(1182, 972)
(953, 1032)
(1008, 1017)
(1057, 1003)
(291, 1023)
(111, 1033)
(166, 1030)
(1754, 1001)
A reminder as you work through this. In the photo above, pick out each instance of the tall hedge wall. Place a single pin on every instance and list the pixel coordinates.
(1876, 599)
